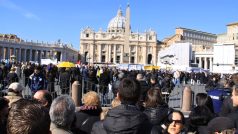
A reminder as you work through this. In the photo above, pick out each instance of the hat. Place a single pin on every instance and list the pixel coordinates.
(220, 123)
(16, 87)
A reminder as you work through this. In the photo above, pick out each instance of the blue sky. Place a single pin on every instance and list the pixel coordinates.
(50, 20)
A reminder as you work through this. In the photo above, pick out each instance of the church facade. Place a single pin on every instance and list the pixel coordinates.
(118, 44)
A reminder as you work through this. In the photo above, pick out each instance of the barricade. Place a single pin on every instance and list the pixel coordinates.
(104, 91)
(218, 95)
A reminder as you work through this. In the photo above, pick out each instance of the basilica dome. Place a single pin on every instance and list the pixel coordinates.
(117, 24)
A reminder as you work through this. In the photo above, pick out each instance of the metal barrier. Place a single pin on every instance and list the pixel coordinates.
(56, 88)
(53, 87)
(104, 91)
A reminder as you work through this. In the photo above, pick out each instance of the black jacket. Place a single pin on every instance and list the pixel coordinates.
(85, 119)
(144, 88)
(234, 116)
(198, 120)
(227, 107)
(123, 119)
(157, 115)
(12, 77)
(65, 79)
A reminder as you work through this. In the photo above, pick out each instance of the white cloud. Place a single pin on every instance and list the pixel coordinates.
(31, 16)
(12, 6)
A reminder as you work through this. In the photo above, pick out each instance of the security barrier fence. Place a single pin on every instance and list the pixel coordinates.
(56, 88)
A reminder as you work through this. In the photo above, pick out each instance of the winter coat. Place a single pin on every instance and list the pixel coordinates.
(144, 88)
(227, 107)
(65, 81)
(198, 120)
(158, 114)
(123, 119)
(38, 82)
(12, 77)
(85, 119)
(57, 130)
(234, 116)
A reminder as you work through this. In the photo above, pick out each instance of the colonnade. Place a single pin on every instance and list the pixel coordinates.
(27, 54)
(204, 62)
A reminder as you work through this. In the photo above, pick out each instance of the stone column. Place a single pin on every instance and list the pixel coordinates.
(129, 54)
(25, 54)
(40, 56)
(99, 53)
(115, 54)
(144, 55)
(91, 53)
(61, 56)
(136, 56)
(195, 61)
(211, 64)
(200, 62)
(106, 53)
(109, 53)
(15, 51)
(36, 55)
(44, 54)
(205, 62)
(8, 53)
(30, 55)
(122, 52)
(19, 53)
(47, 54)
(2, 53)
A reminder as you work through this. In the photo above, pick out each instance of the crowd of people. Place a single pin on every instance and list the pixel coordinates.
(138, 106)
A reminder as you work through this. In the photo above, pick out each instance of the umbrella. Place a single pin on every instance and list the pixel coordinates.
(151, 67)
(66, 64)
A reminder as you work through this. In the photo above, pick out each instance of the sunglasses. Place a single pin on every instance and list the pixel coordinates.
(176, 121)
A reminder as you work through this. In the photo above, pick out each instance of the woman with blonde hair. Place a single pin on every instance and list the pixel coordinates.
(88, 113)
(91, 98)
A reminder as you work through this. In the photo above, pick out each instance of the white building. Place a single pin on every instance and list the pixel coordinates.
(118, 44)
(202, 45)
(176, 56)
(217, 53)
(224, 57)
(226, 50)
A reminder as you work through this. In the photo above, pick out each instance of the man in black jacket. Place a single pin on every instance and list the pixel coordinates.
(125, 118)
(144, 86)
